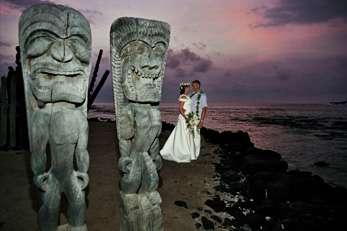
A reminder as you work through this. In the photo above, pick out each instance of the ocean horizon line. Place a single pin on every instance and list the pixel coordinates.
(250, 103)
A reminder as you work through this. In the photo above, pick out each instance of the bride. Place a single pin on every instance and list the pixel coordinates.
(182, 146)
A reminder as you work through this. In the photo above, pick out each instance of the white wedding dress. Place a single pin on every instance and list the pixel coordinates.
(182, 146)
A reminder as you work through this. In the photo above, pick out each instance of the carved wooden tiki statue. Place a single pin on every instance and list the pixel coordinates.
(138, 51)
(55, 46)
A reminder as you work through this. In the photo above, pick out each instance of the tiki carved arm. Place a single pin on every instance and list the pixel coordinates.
(154, 150)
(127, 132)
(40, 136)
(156, 129)
(81, 154)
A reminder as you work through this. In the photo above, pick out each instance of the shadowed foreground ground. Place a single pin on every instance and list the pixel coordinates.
(192, 183)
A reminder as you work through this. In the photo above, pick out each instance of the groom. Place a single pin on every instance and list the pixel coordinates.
(199, 102)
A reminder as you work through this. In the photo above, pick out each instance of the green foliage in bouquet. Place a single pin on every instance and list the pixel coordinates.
(193, 121)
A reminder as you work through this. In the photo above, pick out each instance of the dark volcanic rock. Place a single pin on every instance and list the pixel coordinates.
(210, 135)
(269, 197)
(236, 212)
(264, 154)
(207, 211)
(237, 187)
(167, 126)
(294, 200)
(256, 160)
(256, 190)
(268, 209)
(181, 204)
(227, 139)
(339, 103)
(321, 164)
(253, 164)
(197, 225)
(214, 217)
(227, 223)
(207, 224)
(216, 204)
(230, 175)
(195, 215)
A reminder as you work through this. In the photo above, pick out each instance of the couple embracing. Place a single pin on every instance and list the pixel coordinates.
(183, 144)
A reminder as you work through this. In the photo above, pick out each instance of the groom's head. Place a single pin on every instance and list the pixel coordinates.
(196, 85)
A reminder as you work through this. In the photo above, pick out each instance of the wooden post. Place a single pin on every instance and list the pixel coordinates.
(97, 89)
(21, 121)
(95, 74)
(13, 109)
(3, 112)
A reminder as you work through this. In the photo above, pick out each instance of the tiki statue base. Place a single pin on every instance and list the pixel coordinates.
(67, 227)
(141, 212)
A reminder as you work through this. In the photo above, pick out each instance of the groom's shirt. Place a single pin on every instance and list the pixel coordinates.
(203, 102)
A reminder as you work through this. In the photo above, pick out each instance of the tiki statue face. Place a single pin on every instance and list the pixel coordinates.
(56, 53)
(141, 46)
(142, 73)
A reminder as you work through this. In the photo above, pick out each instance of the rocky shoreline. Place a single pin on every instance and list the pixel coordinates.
(258, 192)
(339, 103)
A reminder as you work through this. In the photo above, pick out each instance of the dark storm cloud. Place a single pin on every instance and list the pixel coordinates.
(187, 55)
(302, 12)
(202, 66)
(22, 4)
(172, 61)
(6, 57)
(280, 74)
(200, 46)
(291, 79)
(91, 12)
(187, 62)
(295, 78)
(179, 73)
(2, 44)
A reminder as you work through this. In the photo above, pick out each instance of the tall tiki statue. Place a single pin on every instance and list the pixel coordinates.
(138, 57)
(55, 46)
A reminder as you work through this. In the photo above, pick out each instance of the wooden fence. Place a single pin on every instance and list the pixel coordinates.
(13, 122)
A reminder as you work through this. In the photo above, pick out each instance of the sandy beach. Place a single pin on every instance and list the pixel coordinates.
(232, 186)
(191, 183)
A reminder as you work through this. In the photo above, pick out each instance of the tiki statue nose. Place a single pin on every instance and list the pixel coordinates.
(61, 52)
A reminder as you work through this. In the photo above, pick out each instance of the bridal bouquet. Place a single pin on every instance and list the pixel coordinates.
(192, 122)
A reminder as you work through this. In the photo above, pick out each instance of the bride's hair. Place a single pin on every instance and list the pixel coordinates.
(181, 90)
(183, 87)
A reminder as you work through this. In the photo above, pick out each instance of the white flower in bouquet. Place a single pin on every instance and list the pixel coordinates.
(192, 122)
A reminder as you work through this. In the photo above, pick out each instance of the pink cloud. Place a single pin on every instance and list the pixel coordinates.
(7, 11)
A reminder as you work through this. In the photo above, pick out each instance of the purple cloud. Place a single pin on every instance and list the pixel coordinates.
(2, 44)
(172, 60)
(279, 74)
(302, 12)
(91, 15)
(186, 63)
(23, 4)
(200, 46)
(202, 66)
(228, 73)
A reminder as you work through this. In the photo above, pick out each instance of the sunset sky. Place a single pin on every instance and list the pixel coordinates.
(242, 51)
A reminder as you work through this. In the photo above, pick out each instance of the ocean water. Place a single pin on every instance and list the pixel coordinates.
(302, 133)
